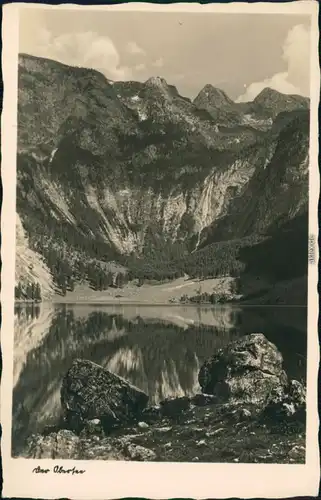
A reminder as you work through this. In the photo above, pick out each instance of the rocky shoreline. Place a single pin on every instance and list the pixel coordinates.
(248, 412)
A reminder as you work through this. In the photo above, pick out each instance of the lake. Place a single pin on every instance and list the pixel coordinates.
(158, 348)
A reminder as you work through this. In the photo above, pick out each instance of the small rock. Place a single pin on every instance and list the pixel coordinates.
(212, 433)
(174, 407)
(245, 413)
(143, 425)
(163, 429)
(296, 451)
(139, 453)
(91, 428)
(201, 443)
(289, 409)
(203, 399)
(195, 459)
(168, 445)
(152, 413)
(197, 429)
(236, 460)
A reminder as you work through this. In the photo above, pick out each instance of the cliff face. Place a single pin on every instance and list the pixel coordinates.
(102, 165)
(275, 194)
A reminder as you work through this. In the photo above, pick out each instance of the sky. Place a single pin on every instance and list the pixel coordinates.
(239, 53)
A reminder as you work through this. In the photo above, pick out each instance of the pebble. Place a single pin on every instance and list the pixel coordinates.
(296, 451)
(143, 425)
(164, 429)
(201, 443)
(95, 421)
(197, 429)
(168, 445)
(212, 433)
(195, 459)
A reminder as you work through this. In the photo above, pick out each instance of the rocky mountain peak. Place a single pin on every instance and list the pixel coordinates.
(276, 102)
(268, 94)
(213, 96)
(157, 81)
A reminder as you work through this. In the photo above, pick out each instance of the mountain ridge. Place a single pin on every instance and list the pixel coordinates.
(126, 171)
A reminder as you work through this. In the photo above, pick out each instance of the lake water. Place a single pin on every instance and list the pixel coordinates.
(158, 348)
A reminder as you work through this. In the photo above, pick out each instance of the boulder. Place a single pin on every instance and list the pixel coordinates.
(91, 392)
(57, 445)
(139, 453)
(174, 407)
(245, 371)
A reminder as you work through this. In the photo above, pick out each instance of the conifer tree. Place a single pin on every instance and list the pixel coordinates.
(37, 292)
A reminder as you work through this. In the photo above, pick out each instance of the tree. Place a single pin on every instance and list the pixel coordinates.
(37, 292)
(29, 291)
(119, 281)
(18, 291)
(63, 288)
(71, 284)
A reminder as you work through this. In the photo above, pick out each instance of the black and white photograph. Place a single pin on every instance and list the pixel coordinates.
(164, 219)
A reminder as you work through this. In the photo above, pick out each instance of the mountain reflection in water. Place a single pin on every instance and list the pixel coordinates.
(157, 348)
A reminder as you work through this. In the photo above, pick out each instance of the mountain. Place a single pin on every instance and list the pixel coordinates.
(133, 179)
(270, 102)
(218, 105)
(258, 114)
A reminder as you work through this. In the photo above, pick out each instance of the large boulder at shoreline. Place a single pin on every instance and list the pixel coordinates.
(245, 371)
(91, 392)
